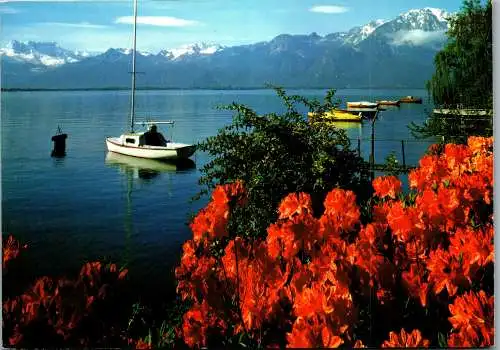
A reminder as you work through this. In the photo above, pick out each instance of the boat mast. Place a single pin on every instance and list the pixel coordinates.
(132, 102)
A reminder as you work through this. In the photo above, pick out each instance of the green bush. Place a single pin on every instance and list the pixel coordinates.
(275, 154)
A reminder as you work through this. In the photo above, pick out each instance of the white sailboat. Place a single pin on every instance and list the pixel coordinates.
(148, 144)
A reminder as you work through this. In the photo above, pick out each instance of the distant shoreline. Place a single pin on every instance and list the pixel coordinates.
(206, 88)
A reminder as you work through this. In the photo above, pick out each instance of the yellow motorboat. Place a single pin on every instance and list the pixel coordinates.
(335, 116)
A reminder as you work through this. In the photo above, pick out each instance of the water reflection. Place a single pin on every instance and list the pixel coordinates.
(58, 162)
(146, 171)
(353, 129)
(346, 125)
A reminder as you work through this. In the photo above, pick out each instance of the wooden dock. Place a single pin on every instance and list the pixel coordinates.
(463, 112)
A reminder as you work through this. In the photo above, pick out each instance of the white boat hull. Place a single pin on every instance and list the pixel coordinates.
(171, 151)
(362, 104)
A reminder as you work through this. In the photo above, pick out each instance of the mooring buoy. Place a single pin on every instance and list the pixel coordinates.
(59, 140)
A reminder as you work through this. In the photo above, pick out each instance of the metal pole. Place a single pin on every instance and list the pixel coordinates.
(359, 147)
(403, 151)
(372, 155)
(132, 102)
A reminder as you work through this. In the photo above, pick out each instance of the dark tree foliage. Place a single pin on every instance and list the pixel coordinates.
(463, 78)
(276, 154)
(463, 75)
(452, 128)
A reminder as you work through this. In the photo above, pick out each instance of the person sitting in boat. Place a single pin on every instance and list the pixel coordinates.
(154, 138)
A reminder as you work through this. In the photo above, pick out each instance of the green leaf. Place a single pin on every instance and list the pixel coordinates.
(443, 343)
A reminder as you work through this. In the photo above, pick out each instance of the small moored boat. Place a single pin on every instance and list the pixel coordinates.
(388, 103)
(410, 99)
(150, 144)
(362, 104)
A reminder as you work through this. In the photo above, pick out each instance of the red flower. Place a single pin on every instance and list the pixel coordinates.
(415, 282)
(480, 144)
(473, 246)
(199, 322)
(194, 327)
(223, 194)
(403, 221)
(447, 271)
(341, 210)
(422, 176)
(295, 204)
(143, 345)
(472, 316)
(288, 237)
(406, 340)
(312, 333)
(373, 232)
(302, 335)
(387, 186)
(456, 155)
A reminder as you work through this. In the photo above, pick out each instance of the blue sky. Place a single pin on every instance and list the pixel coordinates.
(97, 25)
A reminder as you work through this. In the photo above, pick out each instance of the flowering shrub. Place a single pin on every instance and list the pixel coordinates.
(416, 273)
(62, 311)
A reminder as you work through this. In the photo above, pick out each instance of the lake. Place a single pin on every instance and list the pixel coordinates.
(85, 206)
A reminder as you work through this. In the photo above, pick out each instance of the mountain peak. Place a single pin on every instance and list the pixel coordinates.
(425, 15)
(201, 48)
(358, 34)
(440, 14)
(46, 53)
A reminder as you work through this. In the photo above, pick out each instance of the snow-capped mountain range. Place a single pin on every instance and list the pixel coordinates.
(50, 54)
(41, 53)
(400, 50)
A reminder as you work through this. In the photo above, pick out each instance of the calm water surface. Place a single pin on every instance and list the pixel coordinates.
(84, 207)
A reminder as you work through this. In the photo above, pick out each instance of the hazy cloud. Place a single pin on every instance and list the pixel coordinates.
(8, 11)
(417, 37)
(84, 25)
(329, 9)
(161, 21)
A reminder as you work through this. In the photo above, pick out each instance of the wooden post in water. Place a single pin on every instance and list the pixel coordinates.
(403, 151)
(59, 140)
(359, 147)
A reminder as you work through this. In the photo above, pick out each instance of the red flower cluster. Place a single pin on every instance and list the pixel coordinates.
(298, 286)
(10, 250)
(62, 305)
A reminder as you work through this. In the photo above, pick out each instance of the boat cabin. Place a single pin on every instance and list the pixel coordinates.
(143, 139)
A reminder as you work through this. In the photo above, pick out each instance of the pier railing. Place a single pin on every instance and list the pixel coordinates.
(405, 153)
